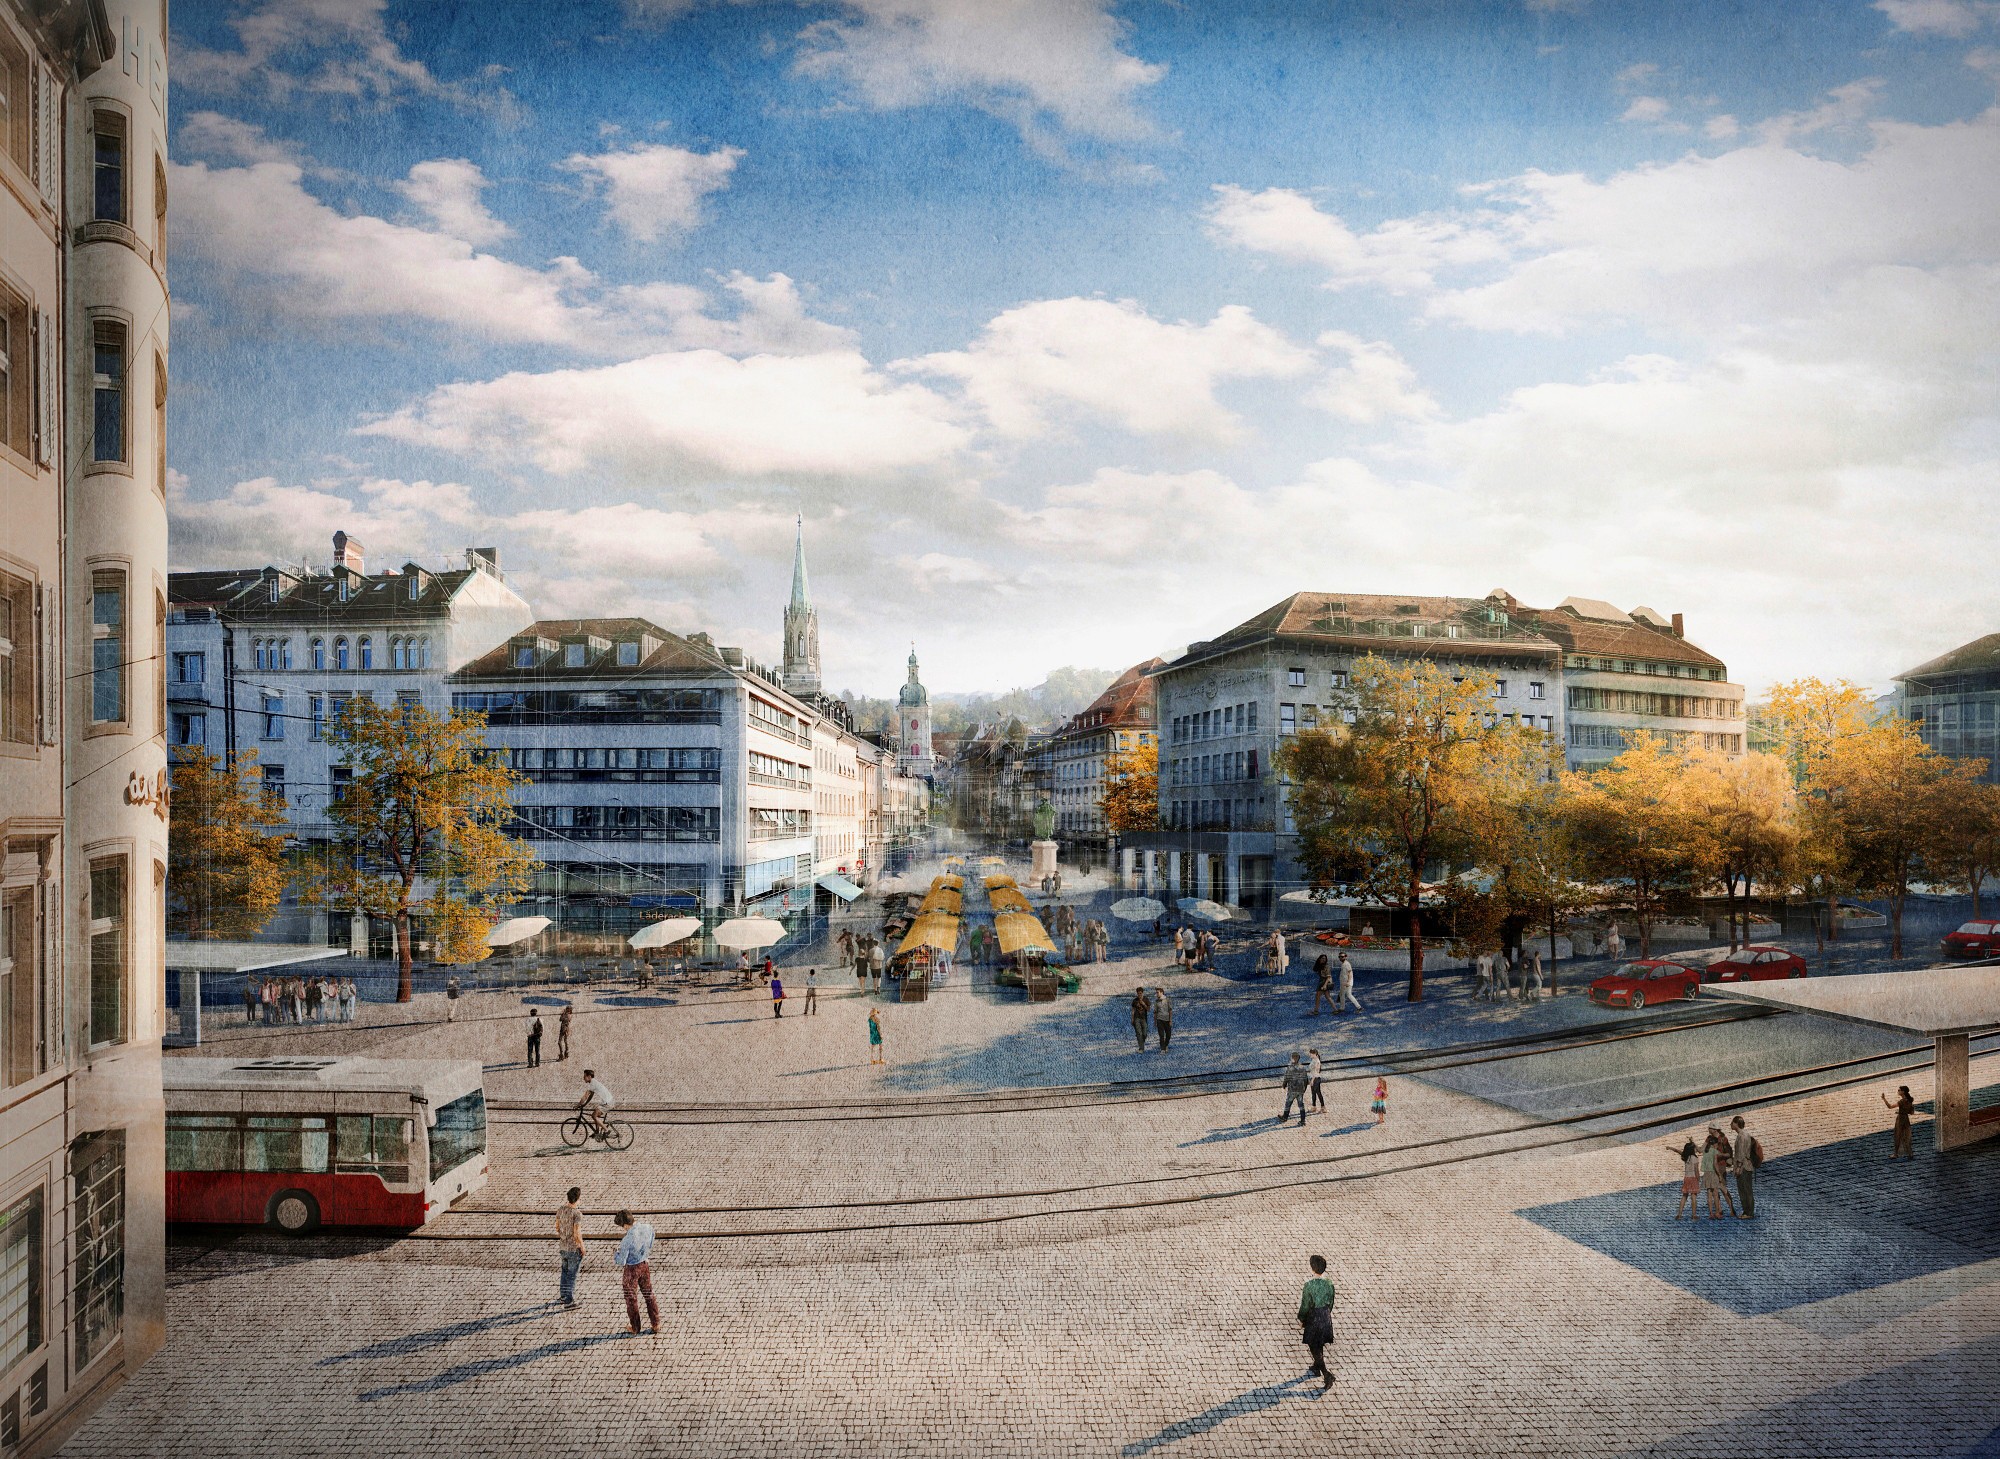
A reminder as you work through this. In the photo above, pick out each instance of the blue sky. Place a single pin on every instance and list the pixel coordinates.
(1078, 330)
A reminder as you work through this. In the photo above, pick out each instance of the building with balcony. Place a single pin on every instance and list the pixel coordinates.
(1627, 673)
(1954, 701)
(1119, 721)
(83, 803)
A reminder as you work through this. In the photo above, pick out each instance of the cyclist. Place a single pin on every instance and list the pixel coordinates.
(596, 1103)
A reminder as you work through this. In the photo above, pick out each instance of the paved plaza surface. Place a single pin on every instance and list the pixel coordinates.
(1016, 1239)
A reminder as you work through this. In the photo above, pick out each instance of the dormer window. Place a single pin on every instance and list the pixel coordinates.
(524, 655)
(628, 655)
(275, 589)
(416, 587)
(342, 588)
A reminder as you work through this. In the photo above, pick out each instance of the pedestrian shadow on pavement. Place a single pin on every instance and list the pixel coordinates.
(636, 1000)
(480, 1368)
(1243, 1404)
(1353, 1129)
(829, 1069)
(716, 1022)
(416, 1342)
(1232, 1132)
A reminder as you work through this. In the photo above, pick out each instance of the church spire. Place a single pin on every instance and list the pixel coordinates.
(801, 593)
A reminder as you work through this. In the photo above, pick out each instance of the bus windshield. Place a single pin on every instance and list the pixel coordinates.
(460, 1133)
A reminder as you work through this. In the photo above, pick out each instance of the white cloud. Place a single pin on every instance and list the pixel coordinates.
(265, 520)
(651, 189)
(448, 191)
(1039, 64)
(770, 317)
(690, 415)
(1113, 361)
(211, 134)
(288, 49)
(633, 541)
(1647, 109)
(1402, 255)
(1375, 384)
(1637, 74)
(1721, 128)
(1956, 19)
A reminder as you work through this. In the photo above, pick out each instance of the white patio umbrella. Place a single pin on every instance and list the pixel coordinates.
(515, 929)
(1203, 910)
(664, 934)
(1137, 909)
(741, 932)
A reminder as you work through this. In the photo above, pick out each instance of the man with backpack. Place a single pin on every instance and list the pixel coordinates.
(1746, 1155)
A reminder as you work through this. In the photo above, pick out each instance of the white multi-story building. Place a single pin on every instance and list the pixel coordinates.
(83, 805)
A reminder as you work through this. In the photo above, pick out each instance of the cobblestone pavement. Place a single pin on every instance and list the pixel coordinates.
(1109, 1271)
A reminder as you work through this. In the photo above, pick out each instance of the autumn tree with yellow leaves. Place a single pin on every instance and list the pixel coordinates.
(1131, 798)
(227, 866)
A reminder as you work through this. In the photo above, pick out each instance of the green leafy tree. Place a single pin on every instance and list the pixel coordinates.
(1403, 789)
(227, 868)
(419, 831)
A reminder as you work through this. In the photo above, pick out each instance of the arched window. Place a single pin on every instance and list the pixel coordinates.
(284, 653)
(340, 653)
(396, 654)
(257, 652)
(367, 652)
(423, 653)
(319, 653)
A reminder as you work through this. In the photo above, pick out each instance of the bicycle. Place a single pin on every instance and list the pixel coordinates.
(577, 1130)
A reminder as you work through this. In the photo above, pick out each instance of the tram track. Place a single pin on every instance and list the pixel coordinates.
(1287, 1174)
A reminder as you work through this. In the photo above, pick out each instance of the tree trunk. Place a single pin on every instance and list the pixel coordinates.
(1978, 876)
(403, 991)
(1895, 925)
(1832, 915)
(1414, 905)
(1553, 963)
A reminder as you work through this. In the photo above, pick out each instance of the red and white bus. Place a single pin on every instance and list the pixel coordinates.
(298, 1143)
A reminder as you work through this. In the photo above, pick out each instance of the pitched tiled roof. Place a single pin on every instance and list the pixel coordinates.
(1351, 619)
(1633, 638)
(1127, 700)
(670, 652)
(244, 595)
(1982, 655)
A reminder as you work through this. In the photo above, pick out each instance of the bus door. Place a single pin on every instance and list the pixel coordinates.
(379, 1161)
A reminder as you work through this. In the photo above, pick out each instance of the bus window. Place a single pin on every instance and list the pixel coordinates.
(203, 1142)
(460, 1133)
(374, 1145)
(295, 1143)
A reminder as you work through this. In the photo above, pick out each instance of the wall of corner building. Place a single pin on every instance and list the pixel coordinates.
(485, 613)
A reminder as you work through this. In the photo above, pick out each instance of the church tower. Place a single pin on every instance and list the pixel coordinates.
(801, 628)
(913, 725)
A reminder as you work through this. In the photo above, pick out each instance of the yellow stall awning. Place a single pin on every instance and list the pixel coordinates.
(1002, 880)
(944, 900)
(1009, 899)
(1022, 932)
(934, 930)
(948, 883)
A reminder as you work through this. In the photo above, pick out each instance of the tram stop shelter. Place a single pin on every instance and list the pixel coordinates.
(1945, 1005)
(187, 960)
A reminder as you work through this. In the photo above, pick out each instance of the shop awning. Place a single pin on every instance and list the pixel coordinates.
(1009, 899)
(941, 901)
(1002, 880)
(1022, 932)
(935, 929)
(840, 886)
(949, 883)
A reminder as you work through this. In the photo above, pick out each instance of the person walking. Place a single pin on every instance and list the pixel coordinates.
(569, 1245)
(1346, 1000)
(1745, 1155)
(875, 1055)
(1280, 958)
(1322, 983)
(977, 945)
(250, 990)
(535, 1038)
(1296, 1080)
(1503, 982)
(1379, 1105)
(1725, 1167)
(348, 996)
(562, 1033)
(1141, 1015)
(812, 993)
(1690, 1183)
(878, 960)
(861, 963)
(777, 996)
(1482, 974)
(1163, 1017)
(1531, 986)
(1316, 1319)
(1209, 943)
(635, 1271)
(313, 1001)
(1904, 1107)
(451, 1000)
(1313, 1066)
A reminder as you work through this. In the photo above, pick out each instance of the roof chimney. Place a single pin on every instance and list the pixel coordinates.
(483, 559)
(1679, 627)
(347, 554)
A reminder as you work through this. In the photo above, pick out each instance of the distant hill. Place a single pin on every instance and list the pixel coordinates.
(1056, 698)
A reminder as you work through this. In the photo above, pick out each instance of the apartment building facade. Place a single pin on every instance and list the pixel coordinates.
(1121, 720)
(1954, 701)
(83, 562)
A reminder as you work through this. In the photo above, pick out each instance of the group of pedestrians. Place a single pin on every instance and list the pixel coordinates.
(1156, 1010)
(1324, 976)
(866, 954)
(778, 994)
(1194, 948)
(1495, 975)
(535, 1035)
(1081, 937)
(633, 1258)
(1302, 1082)
(299, 1000)
(1706, 1170)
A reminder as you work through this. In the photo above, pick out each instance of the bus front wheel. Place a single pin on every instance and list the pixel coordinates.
(293, 1212)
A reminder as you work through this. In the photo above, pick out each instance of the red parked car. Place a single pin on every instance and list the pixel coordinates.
(1755, 964)
(1974, 939)
(1654, 980)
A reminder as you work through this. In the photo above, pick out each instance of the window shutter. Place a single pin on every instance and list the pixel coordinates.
(48, 136)
(51, 686)
(48, 388)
